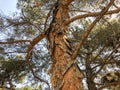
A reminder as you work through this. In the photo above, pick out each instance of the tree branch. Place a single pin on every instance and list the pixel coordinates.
(98, 53)
(94, 14)
(48, 15)
(29, 51)
(106, 60)
(110, 84)
(103, 12)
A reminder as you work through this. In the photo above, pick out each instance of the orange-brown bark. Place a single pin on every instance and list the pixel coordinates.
(65, 74)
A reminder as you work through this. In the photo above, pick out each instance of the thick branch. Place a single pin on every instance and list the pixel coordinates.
(103, 12)
(33, 43)
(94, 14)
(31, 46)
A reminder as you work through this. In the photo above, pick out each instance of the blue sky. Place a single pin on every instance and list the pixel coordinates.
(7, 7)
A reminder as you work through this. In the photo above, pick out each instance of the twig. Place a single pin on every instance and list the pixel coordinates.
(99, 53)
(106, 60)
(48, 15)
(108, 85)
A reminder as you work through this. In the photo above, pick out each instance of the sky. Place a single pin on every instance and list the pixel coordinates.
(7, 7)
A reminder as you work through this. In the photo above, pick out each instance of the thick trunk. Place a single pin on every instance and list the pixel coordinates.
(65, 74)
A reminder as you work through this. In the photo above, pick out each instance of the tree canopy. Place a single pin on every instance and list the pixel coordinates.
(89, 29)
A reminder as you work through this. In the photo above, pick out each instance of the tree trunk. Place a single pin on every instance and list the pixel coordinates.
(89, 73)
(65, 74)
(89, 76)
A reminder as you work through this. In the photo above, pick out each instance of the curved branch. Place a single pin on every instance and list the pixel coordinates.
(31, 46)
(29, 51)
(101, 14)
(94, 14)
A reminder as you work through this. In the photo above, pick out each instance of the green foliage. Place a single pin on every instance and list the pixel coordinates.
(32, 9)
(30, 23)
(1, 49)
(10, 65)
(26, 88)
(106, 36)
(12, 70)
(36, 87)
(21, 79)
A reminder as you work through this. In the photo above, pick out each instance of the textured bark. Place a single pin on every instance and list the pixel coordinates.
(89, 74)
(65, 74)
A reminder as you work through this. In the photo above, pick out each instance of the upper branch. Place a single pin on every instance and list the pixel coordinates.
(103, 12)
(94, 14)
